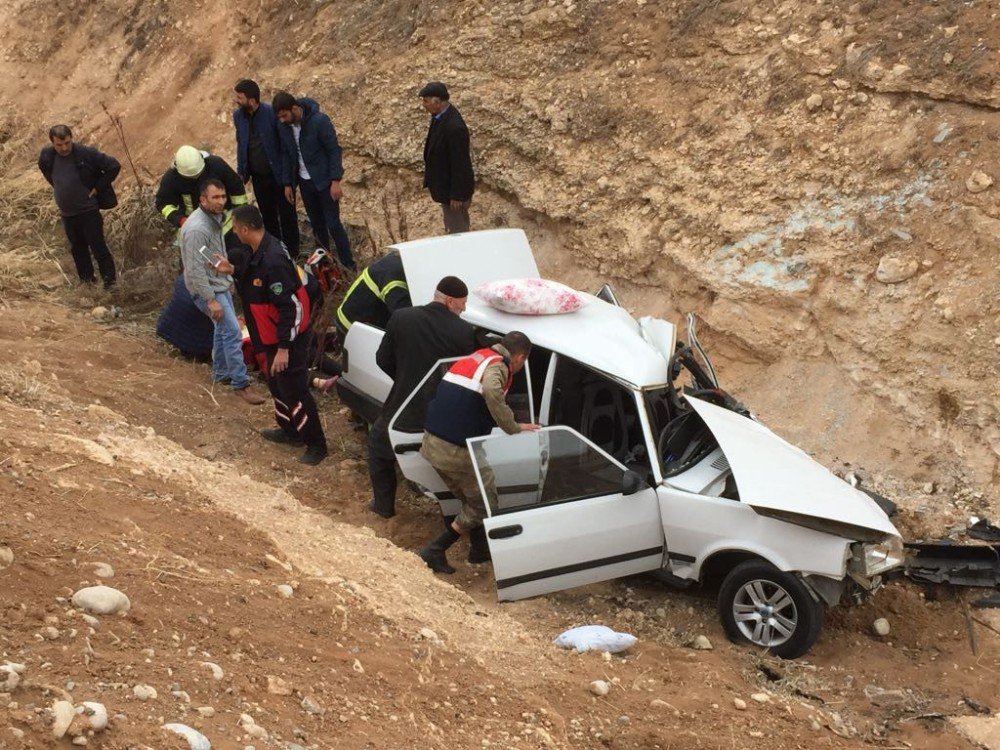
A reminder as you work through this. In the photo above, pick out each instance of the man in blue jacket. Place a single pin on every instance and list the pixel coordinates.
(258, 160)
(311, 161)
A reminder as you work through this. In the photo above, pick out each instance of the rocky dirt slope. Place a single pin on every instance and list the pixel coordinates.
(261, 590)
(814, 179)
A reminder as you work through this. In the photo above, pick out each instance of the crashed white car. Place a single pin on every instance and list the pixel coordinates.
(644, 465)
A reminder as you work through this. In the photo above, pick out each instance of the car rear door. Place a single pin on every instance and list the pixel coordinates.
(406, 430)
(562, 513)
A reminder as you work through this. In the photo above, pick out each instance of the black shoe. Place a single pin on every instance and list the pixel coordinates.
(479, 548)
(379, 511)
(434, 553)
(277, 435)
(436, 560)
(314, 454)
(109, 285)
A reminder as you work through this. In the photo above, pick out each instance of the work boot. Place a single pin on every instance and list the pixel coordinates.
(374, 508)
(314, 454)
(434, 553)
(479, 547)
(278, 435)
(250, 396)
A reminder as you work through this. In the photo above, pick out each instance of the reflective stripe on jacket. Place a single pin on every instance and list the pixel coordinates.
(458, 410)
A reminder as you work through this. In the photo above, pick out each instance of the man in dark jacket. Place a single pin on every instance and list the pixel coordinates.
(447, 160)
(277, 312)
(415, 339)
(81, 178)
(258, 160)
(311, 161)
(180, 188)
(376, 294)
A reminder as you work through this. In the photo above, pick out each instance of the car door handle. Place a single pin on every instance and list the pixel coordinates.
(505, 532)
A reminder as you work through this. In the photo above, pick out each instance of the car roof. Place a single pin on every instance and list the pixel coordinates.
(599, 335)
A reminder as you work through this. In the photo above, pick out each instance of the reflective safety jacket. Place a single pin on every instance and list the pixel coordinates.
(378, 292)
(459, 409)
(177, 196)
(275, 302)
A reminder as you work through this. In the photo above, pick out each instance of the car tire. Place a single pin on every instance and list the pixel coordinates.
(768, 608)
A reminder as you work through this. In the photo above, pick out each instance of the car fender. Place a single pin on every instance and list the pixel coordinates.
(830, 562)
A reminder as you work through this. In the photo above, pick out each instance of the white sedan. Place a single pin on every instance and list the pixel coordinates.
(644, 464)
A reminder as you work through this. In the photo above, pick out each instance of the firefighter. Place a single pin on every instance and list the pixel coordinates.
(277, 311)
(469, 402)
(177, 196)
(376, 294)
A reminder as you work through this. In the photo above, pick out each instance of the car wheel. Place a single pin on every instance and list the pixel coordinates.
(766, 607)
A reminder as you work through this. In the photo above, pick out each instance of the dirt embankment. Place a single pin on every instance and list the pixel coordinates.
(262, 590)
(812, 179)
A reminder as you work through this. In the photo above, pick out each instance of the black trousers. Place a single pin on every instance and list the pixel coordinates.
(294, 407)
(324, 215)
(280, 218)
(382, 466)
(85, 233)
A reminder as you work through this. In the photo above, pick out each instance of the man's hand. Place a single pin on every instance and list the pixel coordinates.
(455, 205)
(92, 193)
(335, 191)
(280, 361)
(180, 221)
(529, 427)
(222, 265)
(289, 194)
(215, 310)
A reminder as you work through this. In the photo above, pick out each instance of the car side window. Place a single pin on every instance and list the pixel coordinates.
(534, 469)
(601, 410)
(410, 417)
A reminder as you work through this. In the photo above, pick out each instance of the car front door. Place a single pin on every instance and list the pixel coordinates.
(563, 513)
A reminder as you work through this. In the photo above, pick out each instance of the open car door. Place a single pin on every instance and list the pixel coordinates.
(406, 434)
(406, 430)
(562, 513)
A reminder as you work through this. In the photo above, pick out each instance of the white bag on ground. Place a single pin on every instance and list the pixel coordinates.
(530, 296)
(595, 638)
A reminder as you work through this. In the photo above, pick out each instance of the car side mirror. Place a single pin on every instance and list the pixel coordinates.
(631, 483)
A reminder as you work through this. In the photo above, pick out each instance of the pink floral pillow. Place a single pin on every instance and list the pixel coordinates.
(530, 296)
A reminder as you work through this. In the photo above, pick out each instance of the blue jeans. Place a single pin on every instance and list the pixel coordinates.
(324, 215)
(227, 346)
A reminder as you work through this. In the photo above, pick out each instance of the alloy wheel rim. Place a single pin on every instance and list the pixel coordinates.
(765, 613)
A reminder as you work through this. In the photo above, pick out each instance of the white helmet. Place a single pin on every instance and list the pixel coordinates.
(189, 161)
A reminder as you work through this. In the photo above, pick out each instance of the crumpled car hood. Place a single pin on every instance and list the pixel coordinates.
(776, 478)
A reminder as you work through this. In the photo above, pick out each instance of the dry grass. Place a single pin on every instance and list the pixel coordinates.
(22, 383)
(28, 216)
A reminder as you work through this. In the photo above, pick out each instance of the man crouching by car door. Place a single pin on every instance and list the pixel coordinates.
(276, 307)
(469, 402)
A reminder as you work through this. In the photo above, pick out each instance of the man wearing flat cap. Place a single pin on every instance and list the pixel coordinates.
(415, 338)
(447, 160)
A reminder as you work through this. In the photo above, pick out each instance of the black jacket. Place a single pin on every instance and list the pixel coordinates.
(447, 161)
(97, 170)
(415, 339)
(177, 196)
(275, 302)
(376, 294)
